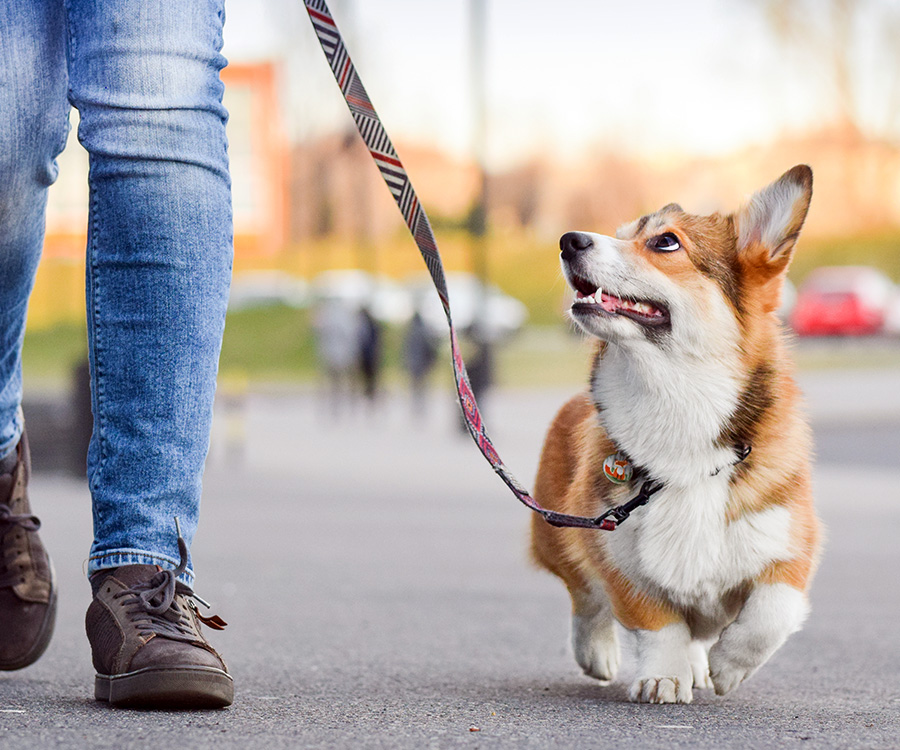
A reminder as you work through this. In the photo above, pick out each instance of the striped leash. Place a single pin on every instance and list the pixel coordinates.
(398, 182)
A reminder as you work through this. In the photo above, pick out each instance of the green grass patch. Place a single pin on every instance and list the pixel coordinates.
(269, 343)
(277, 343)
(545, 356)
(51, 354)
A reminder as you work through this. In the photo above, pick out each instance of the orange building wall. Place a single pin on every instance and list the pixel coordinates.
(258, 155)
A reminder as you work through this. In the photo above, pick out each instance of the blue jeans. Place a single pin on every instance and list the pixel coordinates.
(144, 76)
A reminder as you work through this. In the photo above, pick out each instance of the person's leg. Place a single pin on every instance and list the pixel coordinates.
(33, 129)
(144, 75)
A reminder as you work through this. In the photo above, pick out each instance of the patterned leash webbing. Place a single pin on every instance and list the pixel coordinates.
(382, 151)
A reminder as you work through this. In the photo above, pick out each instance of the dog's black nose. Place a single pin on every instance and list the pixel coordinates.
(572, 243)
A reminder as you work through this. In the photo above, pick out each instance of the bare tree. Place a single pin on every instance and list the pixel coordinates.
(834, 37)
(854, 47)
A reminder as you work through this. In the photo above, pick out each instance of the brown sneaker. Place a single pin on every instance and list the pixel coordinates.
(27, 583)
(148, 651)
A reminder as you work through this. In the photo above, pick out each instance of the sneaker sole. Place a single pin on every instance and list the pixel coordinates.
(169, 687)
(44, 634)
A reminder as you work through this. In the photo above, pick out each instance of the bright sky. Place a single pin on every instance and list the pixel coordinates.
(652, 76)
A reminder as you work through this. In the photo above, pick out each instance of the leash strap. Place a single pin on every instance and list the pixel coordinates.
(398, 182)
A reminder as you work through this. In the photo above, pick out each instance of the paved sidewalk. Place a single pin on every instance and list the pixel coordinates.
(374, 575)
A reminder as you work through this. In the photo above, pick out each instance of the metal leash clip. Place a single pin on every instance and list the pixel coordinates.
(615, 516)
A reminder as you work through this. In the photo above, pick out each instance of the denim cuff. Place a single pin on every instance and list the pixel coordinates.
(117, 558)
(16, 428)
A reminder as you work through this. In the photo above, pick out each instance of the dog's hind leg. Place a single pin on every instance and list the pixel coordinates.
(594, 637)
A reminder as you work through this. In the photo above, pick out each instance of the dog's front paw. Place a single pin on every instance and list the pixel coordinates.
(596, 648)
(661, 690)
(665, 674)
(599, 660)
(772, 612)
(726, 671)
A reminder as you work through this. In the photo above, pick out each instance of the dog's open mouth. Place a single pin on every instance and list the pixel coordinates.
(589, 298)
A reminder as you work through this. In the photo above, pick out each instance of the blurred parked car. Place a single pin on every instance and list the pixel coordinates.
(788, 300)
(842, 301)
(486, 311)
(386, 300)
(892, 315)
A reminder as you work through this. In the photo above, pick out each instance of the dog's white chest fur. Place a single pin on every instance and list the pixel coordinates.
(685, 547)
(668, 417)
(666, 413)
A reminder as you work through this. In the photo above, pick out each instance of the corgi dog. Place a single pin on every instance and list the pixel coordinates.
(691, 390)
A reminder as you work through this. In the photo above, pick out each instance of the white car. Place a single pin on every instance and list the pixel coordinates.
(493, 314)
(387, 300)
(892, 315)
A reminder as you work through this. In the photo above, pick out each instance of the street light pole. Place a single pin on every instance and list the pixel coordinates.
(481, 369)
(477, 45)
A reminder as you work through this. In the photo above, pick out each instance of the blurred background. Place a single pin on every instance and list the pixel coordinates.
(371, 566)
(516, 121)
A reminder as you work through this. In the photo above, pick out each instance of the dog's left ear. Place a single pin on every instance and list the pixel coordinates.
(769, 225)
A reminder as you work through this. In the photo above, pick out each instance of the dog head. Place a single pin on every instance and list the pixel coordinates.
(675, 280)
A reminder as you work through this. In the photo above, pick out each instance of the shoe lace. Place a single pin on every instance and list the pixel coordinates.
(9, 521)
(156, 607)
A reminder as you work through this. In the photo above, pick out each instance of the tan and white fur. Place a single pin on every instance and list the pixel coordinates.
(711, 576)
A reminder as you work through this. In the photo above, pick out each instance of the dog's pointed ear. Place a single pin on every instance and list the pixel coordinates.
(769, 225)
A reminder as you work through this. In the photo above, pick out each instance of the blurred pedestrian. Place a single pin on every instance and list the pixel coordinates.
(480, 367)
(419, 355)
(336, 326)
(369, 352)
(144, 76)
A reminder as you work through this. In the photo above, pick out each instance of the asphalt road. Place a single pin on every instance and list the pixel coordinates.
(374, 575)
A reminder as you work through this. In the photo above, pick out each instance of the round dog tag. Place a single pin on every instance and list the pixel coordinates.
(618, 468)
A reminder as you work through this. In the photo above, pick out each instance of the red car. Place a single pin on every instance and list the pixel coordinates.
(842, 301)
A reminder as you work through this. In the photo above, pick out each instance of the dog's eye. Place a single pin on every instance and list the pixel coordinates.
(664, 243)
